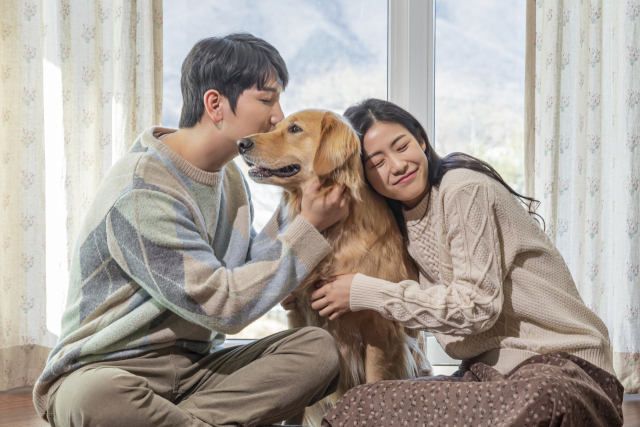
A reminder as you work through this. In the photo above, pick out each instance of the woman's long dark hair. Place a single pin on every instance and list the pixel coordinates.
(368, 112)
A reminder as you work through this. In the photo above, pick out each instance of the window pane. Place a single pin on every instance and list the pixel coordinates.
(479, 78)
(336, 53)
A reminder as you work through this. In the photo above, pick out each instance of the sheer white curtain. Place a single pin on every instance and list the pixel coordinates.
(583, 157)
(24, 338)
(80, 80)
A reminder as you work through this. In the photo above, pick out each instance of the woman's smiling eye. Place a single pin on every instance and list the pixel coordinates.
(295, 129)
(403, 147)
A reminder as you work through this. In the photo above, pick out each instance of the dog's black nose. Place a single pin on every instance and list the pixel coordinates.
(244, 145)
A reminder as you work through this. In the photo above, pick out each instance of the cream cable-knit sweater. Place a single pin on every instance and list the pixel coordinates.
(493, 288)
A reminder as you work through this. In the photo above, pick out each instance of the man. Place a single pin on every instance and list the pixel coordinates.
(167, 262)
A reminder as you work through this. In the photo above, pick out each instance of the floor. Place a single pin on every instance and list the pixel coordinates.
(16, 409)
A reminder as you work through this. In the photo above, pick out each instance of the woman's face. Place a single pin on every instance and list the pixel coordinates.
(395, 163)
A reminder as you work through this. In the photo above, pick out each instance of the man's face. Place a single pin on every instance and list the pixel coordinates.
(257, 111)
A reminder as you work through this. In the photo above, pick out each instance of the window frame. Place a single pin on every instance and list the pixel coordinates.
(411, 85)
(411, 59)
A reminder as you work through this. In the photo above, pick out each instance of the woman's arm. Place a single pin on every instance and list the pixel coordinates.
(473, 300)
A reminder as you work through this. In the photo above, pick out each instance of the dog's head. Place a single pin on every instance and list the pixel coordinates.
(306, 145)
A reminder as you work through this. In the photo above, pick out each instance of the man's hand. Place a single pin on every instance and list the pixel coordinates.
(323, 211)
(333, 296)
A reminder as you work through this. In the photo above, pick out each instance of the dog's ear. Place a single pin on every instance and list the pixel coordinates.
(338, 143)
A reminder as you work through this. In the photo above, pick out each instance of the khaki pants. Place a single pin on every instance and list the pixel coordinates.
(264, 382)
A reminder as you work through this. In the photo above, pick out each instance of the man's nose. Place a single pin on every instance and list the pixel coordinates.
(244, 145)
(277, 115)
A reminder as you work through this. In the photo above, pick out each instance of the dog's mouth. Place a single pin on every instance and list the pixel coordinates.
(256, 171)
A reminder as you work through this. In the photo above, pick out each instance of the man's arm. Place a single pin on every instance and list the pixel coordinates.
(260, 242)
(154, 238)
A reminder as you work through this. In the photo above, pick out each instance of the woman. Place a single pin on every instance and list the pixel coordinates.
(493, 290)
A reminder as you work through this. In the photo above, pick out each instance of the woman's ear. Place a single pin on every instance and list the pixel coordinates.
(213, 105)
(338, 142)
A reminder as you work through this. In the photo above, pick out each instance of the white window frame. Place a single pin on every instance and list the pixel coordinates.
(411, 85)
(411, 59)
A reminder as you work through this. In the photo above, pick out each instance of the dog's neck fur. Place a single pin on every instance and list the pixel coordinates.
(358, 192)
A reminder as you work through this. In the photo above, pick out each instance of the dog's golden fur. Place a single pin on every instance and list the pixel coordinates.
(368, 241)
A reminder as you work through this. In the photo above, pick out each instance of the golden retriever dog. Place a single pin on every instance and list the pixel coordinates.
(314, 143)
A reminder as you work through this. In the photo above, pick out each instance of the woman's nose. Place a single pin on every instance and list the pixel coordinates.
(398, 166)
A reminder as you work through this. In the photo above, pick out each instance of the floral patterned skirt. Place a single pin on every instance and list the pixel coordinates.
(555, 389)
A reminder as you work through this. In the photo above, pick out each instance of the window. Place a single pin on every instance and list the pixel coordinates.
(458, 66)
(336, 53)
(479, 83)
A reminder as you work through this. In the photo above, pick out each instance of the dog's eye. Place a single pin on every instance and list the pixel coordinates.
(295, 129)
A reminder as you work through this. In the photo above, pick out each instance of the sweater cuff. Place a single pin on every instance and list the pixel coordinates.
(366, 293)
(306, 242)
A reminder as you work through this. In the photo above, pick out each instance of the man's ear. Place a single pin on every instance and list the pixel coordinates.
(338, 142)
(213, 105)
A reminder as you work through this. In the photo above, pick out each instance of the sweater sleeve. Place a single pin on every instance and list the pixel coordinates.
(154, 238)
(260, 242)
(473, 301)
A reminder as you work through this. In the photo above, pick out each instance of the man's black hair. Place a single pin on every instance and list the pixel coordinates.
(230, 65)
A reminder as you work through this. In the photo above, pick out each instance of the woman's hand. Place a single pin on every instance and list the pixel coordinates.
(332, 298)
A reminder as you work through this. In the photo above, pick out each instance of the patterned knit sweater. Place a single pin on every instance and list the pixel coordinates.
(492, 286)
(167, 256)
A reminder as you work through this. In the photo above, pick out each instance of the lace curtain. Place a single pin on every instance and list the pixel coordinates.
(80, 80)
(583, 154)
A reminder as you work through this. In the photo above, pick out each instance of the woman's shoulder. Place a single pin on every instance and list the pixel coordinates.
(462, 178)
(461, 187)
(469, 184)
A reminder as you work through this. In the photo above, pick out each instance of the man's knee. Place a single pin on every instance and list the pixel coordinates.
(324, 348)
(97, 394)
